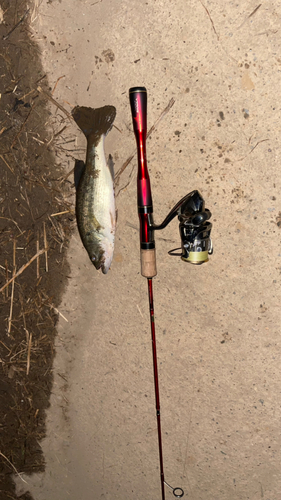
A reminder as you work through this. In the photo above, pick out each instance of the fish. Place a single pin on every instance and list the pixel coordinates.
(95, 199)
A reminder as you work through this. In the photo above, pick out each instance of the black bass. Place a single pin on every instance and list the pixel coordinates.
(95, 201)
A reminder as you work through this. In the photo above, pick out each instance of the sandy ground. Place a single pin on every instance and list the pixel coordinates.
(218, 325)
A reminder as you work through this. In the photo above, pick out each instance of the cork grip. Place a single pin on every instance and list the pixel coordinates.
(148, 263)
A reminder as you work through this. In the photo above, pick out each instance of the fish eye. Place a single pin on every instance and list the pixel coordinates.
(93, 258)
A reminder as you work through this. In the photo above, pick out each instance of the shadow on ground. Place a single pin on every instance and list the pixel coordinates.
(32, 245)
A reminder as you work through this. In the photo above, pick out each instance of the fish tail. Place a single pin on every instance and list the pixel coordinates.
(94, 122)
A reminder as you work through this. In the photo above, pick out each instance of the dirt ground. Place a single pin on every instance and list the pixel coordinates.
(77, 396)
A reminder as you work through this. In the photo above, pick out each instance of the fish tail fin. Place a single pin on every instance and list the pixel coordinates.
(94, 122)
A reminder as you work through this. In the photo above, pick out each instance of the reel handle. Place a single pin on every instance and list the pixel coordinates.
(138, 103)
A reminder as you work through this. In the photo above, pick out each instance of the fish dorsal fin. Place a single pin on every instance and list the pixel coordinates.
(94, 122)
(78, 171)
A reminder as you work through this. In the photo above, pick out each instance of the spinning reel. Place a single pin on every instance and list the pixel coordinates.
(195, 230)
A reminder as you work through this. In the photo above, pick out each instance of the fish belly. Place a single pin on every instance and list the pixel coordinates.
(103, 199)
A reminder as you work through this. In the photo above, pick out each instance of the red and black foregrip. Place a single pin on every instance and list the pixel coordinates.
(138, 102)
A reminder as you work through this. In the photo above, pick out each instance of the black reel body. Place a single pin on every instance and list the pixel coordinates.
(195, 230)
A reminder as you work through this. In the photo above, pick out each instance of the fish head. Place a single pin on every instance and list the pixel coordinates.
(102, 260)
(100, 249)
(107, 246)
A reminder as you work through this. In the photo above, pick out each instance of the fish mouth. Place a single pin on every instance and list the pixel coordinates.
(97, 262)
(105, 269)
(100, 264)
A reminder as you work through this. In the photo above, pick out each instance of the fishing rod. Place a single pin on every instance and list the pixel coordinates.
(196, 243)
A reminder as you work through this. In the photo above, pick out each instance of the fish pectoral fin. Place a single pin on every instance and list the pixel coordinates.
(110, 164)
(112, 219)
(96, 224)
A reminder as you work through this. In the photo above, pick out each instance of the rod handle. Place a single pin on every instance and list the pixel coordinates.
(148, 263)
